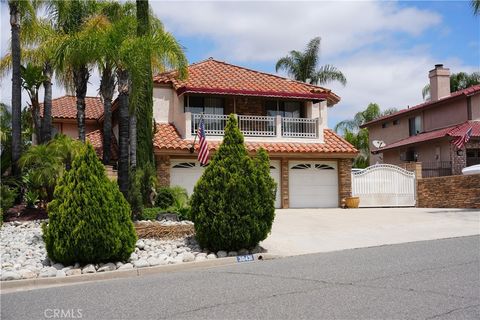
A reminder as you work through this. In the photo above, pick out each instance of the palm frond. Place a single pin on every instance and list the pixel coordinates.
(328, 73)
(426, 92)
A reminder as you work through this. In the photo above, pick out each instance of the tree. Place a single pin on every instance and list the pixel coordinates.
(476, 7)
(359, 137)
(32, 79)
(458, 81)
(302, 66)
(89, 219)
(233, 202)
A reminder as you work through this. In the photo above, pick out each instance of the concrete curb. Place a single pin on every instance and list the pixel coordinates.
(37, 283)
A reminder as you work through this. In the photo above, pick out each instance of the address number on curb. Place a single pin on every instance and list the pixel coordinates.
(246, 258)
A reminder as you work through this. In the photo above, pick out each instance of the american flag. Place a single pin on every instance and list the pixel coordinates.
(203, 151)
(461, 141)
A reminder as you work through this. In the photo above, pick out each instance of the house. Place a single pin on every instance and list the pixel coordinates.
(64, 120)
(424, 133)
(309, 162)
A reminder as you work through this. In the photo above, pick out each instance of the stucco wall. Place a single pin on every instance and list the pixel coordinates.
(445, 115)
(475, 105)
(162, 104)
(70, 129)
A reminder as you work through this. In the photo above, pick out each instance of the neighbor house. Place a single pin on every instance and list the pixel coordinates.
(424, 133)
(310, 163)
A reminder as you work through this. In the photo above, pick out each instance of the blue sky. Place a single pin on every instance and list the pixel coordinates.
(385, 48)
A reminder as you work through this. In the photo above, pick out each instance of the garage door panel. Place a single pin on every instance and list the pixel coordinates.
(313, 184)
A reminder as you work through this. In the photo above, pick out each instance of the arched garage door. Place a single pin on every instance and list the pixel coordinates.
(313, 184)
(186, 172)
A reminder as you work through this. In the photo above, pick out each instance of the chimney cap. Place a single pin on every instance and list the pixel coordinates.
(439, 65)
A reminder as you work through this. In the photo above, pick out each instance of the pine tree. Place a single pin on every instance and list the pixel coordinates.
(232, 205)
(89, 219)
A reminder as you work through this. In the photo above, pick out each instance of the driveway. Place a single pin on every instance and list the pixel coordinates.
(302, 231)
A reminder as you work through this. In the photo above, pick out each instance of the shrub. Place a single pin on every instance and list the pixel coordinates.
(232, 205)
(89, 219)
(149, 213)
(8, 196)
(165, 198)
(143, 183)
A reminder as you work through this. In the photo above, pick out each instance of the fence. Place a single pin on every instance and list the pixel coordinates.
(436, 169)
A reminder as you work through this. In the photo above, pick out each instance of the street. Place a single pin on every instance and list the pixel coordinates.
(436, 279)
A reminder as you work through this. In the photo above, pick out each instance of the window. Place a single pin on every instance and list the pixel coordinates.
(395, 122)
(415, 125)
(301, 166)
(385, 124)
(207, 105)
(287, 109)
(473, 157)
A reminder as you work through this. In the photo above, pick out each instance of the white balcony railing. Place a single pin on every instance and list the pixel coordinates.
(299, 127)
(258, 126)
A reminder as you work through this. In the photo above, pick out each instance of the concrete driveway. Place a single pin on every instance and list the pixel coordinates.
(301, 231)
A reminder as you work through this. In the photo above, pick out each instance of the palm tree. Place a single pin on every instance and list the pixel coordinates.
(458, 81)
(302, 66)
(476, 7)
(359, 137)
(32, 79)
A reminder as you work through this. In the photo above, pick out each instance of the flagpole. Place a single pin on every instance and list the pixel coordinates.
(192, 148)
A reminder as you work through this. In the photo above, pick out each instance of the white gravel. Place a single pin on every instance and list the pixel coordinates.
(23, 253)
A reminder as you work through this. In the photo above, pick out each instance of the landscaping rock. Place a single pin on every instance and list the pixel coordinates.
(89, 268)
(27, 274)
(167, 217)
(153, 261)
(60, 273)
(200, 258)
(73, 272)
(188, 257)
(107, 267)
(133, 256)
(126, 266)
(211, 256)
(232, 253)
(58, 266)
(10, 275)
(48, 272)
(221, 254)
(141, 263)
(243, 252)
(140, 244)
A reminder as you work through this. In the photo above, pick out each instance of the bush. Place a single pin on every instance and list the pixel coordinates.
(149, 213)
(8, 196)
(165, 198)
(143, 183)
(89, 219)
(233, 203)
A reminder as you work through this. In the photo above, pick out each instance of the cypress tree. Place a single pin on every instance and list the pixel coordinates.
(233, 201)
(89, 219)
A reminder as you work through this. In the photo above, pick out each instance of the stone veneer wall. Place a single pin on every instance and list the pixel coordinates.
(344, 178)
(449, 192)
(163, 170)
(284, 188)
(460, 162)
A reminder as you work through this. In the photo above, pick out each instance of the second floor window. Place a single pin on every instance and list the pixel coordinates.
(207, 105)
(287, 109)
(415, 125)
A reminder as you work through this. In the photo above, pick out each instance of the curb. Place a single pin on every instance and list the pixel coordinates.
(38, 283)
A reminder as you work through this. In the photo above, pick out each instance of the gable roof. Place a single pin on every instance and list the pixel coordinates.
(66, 108)
(452, 131)
(465, 92)
(217, 77)
(96, 139)
(167, 138)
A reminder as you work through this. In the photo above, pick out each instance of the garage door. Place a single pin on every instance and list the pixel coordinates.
(313, 184)
(185, 173)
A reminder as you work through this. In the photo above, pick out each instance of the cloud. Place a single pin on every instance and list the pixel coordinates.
(262, 31)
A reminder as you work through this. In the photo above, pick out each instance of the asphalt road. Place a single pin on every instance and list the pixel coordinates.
(437, 279)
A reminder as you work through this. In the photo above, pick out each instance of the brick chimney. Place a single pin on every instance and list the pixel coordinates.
(439, 82)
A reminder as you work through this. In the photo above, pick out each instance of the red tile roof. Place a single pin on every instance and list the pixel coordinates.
(452, 131)
(465, 92)
(212, 76)
(66, 108)
(167, 138)
(96, 139)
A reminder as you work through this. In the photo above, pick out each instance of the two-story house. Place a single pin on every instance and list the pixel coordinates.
(425, 132)
(309, 162)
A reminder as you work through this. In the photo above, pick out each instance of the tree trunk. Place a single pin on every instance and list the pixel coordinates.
(144, 109)
(80, 77)
(47, 104)
(133, 140)
(37, 121)
(107, 88)
(16, 88)
(123, 131)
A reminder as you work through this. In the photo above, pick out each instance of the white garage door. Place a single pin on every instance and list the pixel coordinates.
(313, 184)
(186, 172)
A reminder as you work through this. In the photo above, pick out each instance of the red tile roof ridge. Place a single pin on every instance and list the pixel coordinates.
(467, 91)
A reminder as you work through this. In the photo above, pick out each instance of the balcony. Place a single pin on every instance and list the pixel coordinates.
(259, 126)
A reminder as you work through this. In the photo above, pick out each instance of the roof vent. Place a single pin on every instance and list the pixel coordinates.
(439, 65)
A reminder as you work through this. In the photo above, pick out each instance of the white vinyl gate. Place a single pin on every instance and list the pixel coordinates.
(384, 185)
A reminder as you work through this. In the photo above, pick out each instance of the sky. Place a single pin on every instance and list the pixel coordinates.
(384, 48)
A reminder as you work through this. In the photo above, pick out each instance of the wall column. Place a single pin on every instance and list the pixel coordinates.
(344, 179)
(284, 189)
(163, 170)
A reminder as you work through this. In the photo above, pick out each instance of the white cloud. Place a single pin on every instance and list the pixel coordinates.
(263, 31)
